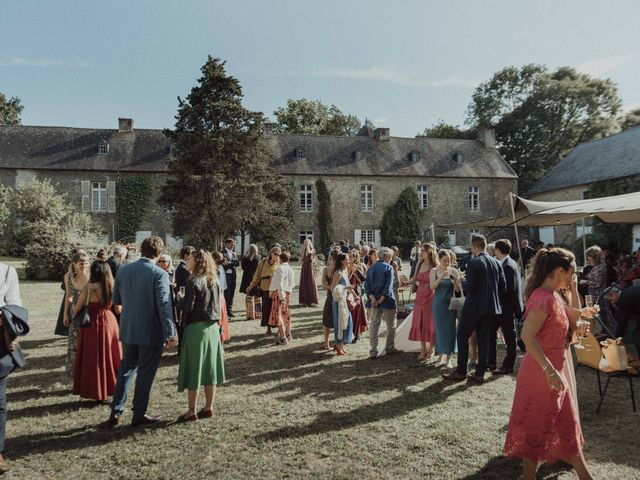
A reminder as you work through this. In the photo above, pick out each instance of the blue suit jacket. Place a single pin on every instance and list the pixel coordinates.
(485, 284)
(379, 282)
(142, 288)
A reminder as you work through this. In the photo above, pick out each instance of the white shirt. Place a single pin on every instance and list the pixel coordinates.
(222, 278)
(414, 253)
(9, 288)
(283, 280)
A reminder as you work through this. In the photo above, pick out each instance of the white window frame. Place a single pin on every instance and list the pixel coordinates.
(99, 197)
(366, 198)
(474, 199)
(423, 195)
(299, 153)
(103, 148)
(306, 198)
(472, 232)
(303, 234)
(368, 236)
(451, 233)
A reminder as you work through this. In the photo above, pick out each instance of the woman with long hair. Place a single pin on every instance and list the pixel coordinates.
(340, 290)
(99, 352)
(308, 294)
(327, 310)
(75, 280)
(249, 264)
(262, 277)
(444, 281)
(280, 290)
(221, 278)
(202, 356)
(423, 326)
(357, 276)
(544, 425)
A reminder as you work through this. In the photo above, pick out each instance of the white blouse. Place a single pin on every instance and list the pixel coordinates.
(283, 280)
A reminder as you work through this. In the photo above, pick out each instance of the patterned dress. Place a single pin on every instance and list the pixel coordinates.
(74, 331)
(544, 425)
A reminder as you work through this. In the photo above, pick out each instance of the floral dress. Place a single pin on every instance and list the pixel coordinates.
(74, 331)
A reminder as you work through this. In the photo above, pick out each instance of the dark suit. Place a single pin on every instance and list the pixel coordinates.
(181, 278)
(511, 309)
(114, 265)
(230, 264)
(484, 284)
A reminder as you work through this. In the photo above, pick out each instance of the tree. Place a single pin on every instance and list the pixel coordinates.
(540, 116)
(401, 221)
(220, 175)
(630, 120)
(325, 220)
(445, 130)
(10, 110)
(6, 194)
(313, 117)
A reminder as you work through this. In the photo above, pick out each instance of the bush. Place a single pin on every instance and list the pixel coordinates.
(401, 222)
(290, 246)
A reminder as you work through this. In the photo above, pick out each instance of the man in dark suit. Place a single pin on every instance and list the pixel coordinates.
(484, 285)
(230, 264)
(115, 260)
(181, 277)
(511, 310)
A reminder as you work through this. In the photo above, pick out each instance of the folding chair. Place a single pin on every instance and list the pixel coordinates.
(590, 357)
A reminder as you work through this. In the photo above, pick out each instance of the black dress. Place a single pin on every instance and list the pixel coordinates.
(60, 328)
(249, 266)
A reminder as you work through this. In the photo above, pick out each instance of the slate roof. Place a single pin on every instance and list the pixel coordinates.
(63, 148)
(616, 156)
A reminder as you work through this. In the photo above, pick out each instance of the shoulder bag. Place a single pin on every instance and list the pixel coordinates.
(82, 319)
(456, 303)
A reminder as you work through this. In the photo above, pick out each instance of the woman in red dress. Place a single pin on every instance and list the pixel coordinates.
(423, 328)
(356, 305)
(544, 425)
(99, 352)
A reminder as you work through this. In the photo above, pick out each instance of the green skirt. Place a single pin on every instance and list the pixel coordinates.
(201, 356)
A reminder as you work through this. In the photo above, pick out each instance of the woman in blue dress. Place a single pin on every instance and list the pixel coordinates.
(341, 291)
(444, 281)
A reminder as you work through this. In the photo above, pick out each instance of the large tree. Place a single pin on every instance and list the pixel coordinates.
(441, 129)
(221, 178)
(631, 119)
(10, 110)
(313, 117)
(541, 115)
(401, 221)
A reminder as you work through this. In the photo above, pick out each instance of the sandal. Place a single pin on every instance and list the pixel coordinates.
(187, 417)
(205, 414)
(324, 346)
(281, 341)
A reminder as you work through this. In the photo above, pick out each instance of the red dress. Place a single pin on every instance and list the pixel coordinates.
(544, 425)
(225, 336)
(98, 355)
(358, 312)
(422, 325)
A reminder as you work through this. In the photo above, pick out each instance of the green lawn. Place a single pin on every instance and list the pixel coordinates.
(290, 412)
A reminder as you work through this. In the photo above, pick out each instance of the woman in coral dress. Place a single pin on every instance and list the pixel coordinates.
(423, 328)
(99, 352)
(544, 425)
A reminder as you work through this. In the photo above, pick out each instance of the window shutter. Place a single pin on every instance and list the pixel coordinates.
(111, 197)
(376, 238)
(86, 195)
(356, 237)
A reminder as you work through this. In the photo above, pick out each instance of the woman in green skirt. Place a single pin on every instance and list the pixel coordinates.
(201, 355)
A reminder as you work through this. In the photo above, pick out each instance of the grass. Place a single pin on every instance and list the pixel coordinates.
(290, 412)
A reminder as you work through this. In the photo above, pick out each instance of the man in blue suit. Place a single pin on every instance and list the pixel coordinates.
(484, 284)
(146, 324)
(511, 310)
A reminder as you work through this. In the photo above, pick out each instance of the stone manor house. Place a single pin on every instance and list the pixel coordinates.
(456, 180)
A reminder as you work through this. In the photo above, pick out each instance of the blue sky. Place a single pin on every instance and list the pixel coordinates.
(404, 64)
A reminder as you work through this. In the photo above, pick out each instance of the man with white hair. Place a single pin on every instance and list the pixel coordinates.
(116, 259)
(379, 289)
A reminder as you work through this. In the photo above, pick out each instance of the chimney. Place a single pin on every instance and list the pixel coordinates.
(488, 137)
(125, 125)
(268, 127)
(381, 134)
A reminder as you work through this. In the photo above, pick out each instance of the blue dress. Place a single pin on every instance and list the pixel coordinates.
(445, 319)
(347, 334)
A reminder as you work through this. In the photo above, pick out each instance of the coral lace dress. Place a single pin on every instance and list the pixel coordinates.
(544, 425)
(423, 328)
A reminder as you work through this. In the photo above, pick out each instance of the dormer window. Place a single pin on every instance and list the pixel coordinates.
(358, 155)
(171, 149)
(414, 157)
(299, 153)
(458, 158)
(103, 148)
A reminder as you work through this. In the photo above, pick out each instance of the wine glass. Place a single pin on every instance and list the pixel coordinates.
(588, 301)
(581, 325)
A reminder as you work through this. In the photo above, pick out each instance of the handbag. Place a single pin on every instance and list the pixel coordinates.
(82, 319)
(614, 355)
(456, 303)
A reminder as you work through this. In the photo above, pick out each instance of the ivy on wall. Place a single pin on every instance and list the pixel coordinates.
(325, 222)
(132, 202)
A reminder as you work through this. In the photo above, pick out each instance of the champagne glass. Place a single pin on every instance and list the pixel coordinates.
(581, 325)
(588, 301)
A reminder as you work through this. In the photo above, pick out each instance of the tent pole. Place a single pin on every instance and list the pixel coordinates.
(515, 226)
(584, 244)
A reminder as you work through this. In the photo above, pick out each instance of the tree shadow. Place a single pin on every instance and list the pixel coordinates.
(35, 344)
(54, 409)
(501, 467)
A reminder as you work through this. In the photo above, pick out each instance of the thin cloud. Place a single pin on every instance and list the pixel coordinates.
(599, 66)
(15, 61)
(389, 73)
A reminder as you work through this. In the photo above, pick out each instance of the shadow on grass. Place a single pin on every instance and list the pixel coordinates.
(35, 344)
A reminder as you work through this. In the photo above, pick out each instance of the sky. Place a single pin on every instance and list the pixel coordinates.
(403, 64)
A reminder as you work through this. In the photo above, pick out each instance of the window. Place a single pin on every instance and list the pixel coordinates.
(367, 236)
(452, 237)
(414, 157)
(423, 195)
(99, 196)
(299, 153)
(474, 199)
(472, 232)
(458, 158)
(366, 198)
(103, 148)
(303, 235)
(306, 198)
(359, 155)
